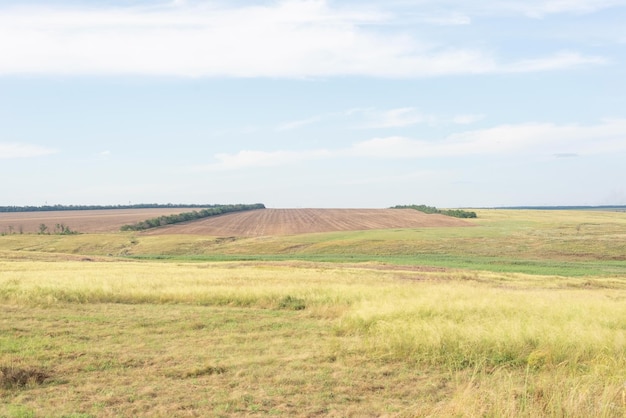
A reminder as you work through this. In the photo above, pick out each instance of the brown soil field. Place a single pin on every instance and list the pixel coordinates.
(83, 221)
(265, 222)
(250, 223)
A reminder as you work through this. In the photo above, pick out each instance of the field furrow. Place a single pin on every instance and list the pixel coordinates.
(301, 221)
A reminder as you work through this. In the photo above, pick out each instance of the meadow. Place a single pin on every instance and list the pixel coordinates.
(523, 314)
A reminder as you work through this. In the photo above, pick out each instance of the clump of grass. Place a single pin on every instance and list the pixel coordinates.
(291, 303)
(12, 377)
(206, 371)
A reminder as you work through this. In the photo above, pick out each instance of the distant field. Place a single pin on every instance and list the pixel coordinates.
(568, 243)
(268, 222)
(83, 221)
(240, 224)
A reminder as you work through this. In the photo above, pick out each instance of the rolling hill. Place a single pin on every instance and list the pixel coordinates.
(302, 221)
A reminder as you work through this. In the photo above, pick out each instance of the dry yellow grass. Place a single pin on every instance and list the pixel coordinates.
(227, 339)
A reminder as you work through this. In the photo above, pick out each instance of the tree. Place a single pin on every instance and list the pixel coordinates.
(42, 229)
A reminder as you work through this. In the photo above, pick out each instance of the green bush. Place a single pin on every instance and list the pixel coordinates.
(189, 216)
(457, 213)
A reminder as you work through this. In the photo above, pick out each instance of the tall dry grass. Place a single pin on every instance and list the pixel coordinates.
(499, 344)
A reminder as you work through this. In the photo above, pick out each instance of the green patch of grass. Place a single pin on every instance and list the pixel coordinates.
(291, 303)
(492, 264)
(19, 411)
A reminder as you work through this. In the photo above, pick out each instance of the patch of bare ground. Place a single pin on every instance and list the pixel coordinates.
(303, 221)
(13, 376)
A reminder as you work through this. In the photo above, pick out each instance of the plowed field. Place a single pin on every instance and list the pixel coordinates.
(84, 221)
(301, 221)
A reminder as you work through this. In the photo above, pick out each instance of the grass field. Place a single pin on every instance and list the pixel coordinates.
(377, 323)
(569, 243)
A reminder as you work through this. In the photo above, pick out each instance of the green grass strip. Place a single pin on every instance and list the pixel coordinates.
(493, 264)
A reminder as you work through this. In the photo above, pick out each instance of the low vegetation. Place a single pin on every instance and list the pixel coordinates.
(456, 213)
(565, 243)
(189, 216)
(299, 339)
(12, 377)
(59, 229)
(370, 323)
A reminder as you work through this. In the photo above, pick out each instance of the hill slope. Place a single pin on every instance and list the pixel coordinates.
(302, 221)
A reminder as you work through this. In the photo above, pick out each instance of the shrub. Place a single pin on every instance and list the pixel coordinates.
(457, 213)
(189, 216)
(291, 303)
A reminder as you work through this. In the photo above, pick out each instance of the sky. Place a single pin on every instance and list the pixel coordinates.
(313, 103)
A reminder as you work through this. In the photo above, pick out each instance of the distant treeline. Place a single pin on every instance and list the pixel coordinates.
(457, 213)
(50, 208)
(189, 216)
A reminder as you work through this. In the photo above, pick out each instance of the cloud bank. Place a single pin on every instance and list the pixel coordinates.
(539, 139)
(16, 150)
(293, 39)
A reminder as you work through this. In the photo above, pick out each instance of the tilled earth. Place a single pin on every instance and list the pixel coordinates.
(301, 221)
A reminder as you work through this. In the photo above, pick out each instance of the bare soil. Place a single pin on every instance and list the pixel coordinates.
(260, 222)
(265, 222)
(83, 221)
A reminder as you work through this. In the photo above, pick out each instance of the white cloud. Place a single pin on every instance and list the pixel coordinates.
(399, 178)
(249, 158)
(388, 147)
(396, 118)
(287, 126)
(539, 9)
(528, 8)
(467, 119)
(531, 138)
(407, 116)
(292, 38)
(371, 118)
(560, 60)
(539, 139)
(15, 150)
(448, 19)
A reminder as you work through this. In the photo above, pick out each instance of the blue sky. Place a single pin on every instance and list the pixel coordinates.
(452, 103)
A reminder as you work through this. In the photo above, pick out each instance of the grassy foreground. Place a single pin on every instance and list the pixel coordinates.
(305, 339)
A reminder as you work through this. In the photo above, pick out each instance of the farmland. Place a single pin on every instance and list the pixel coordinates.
(270, 222)
(520, 314)
(248, 223)
(84, 221)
